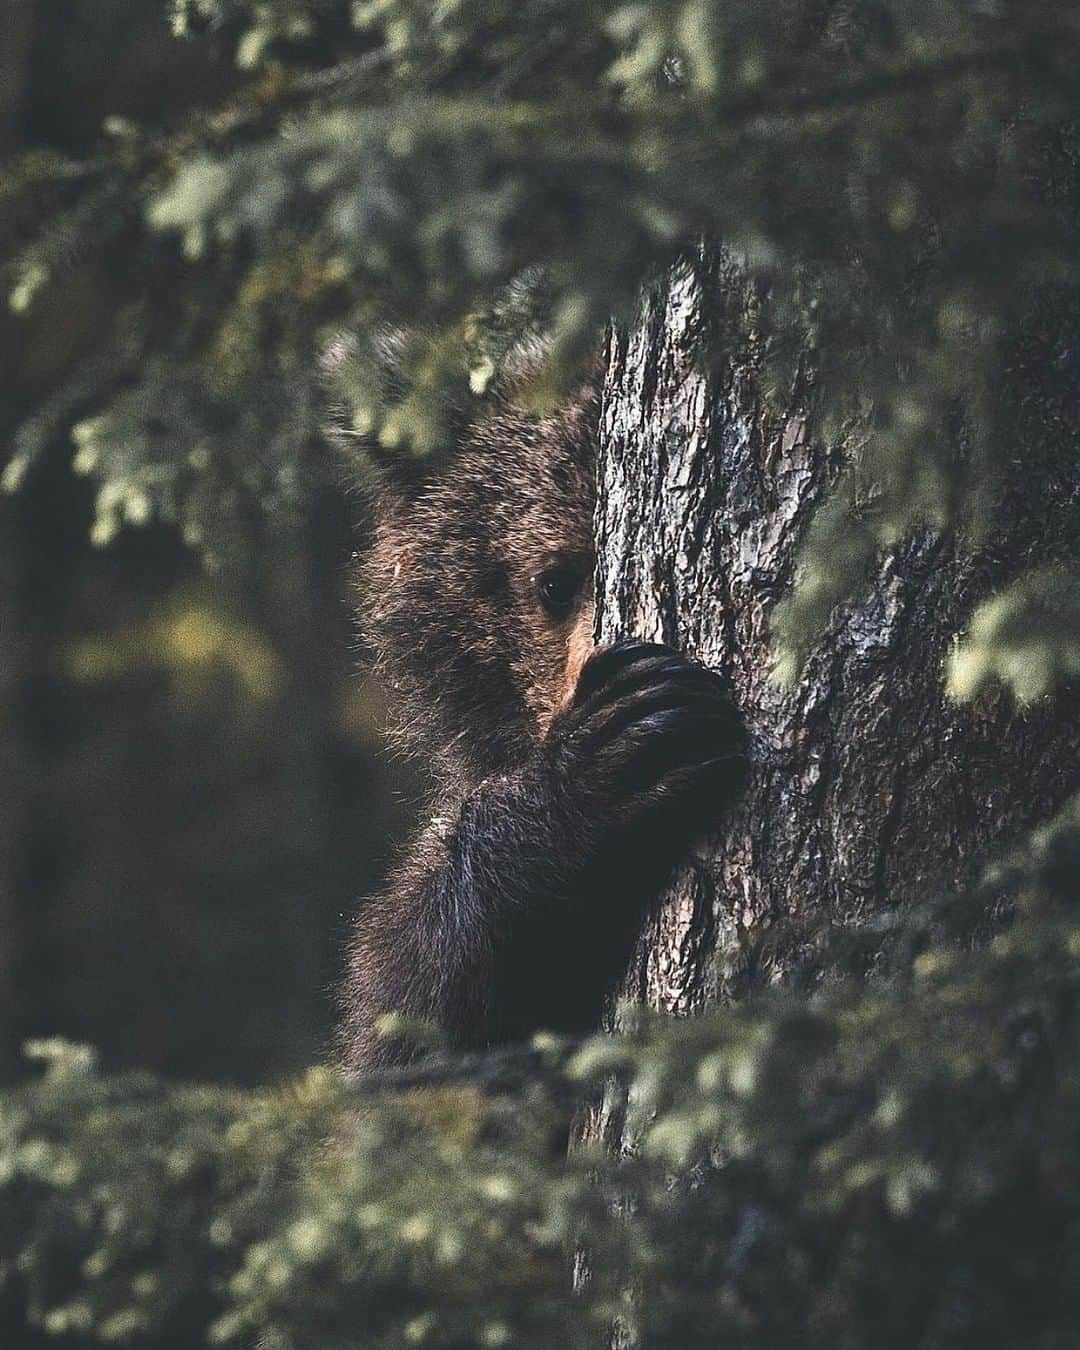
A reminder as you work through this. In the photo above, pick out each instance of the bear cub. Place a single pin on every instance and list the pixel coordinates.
(569, 782)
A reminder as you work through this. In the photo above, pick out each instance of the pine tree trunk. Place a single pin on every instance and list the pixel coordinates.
(868, 787)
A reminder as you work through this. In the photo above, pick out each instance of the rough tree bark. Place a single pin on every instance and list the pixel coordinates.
(868, 786)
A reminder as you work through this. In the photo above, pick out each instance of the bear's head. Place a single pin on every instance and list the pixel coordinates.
(477, 589)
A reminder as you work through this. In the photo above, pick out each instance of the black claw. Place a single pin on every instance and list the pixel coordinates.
(606, 662)
(654, 736)
(666, 742)
(629, 714)
(614, 673)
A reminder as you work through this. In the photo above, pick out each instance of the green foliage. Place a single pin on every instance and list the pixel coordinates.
(903, 178)
(886, 1164)
(1028, 638)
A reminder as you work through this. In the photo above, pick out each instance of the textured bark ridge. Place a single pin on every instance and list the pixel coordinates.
(867, 786)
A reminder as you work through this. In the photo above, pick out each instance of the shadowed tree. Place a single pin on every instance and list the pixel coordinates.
(869, 786)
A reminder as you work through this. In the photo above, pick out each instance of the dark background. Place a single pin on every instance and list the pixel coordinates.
(193, 791)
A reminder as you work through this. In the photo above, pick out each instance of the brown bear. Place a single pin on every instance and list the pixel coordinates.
(569, 781)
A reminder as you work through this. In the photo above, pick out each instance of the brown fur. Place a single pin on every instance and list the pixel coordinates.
(567, 783)
(475, 666)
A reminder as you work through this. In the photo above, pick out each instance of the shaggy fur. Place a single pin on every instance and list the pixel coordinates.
(569, 782)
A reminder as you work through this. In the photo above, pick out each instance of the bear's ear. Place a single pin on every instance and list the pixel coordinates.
(362, 381)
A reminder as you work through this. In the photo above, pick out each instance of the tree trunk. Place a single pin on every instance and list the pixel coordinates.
(868, 787)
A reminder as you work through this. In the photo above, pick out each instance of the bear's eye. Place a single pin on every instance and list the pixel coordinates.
(558, 588)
